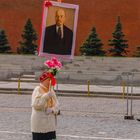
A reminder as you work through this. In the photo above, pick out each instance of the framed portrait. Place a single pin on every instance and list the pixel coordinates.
(58, 31)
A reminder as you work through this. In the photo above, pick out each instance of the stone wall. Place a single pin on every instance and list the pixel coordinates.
(99, 13)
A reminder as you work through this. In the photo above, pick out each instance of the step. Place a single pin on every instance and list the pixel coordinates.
(23, 79)
(69, 94)
(72, 91)
(28, 76)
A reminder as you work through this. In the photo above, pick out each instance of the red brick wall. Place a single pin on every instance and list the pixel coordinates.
(99, 13)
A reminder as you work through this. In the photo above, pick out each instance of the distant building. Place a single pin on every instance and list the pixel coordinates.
(99, 13)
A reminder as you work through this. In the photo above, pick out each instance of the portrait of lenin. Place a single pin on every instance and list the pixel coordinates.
(58, 37)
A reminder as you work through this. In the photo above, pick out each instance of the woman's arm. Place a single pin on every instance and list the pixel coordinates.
(39, 99)
(55, 109)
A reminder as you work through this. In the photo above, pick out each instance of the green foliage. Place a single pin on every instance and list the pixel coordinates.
(118, 43)
(29, 37)
(4, 45)
(92, 46)
(137, 52)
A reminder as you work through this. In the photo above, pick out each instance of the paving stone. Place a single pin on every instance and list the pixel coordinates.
(91, 118)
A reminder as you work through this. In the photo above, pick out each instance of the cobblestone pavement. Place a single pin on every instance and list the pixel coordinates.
(81, 118)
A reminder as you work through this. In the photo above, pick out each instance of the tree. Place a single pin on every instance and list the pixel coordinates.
(92, 46)
(137, 52)
(118, 42)
(4, 45)
(29, 36)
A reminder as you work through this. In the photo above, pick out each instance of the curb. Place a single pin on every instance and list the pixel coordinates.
(70, 93)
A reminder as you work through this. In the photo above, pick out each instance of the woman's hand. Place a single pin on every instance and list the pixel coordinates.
(48, 110)
(50, 94)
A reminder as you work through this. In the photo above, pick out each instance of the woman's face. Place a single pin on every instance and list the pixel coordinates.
(46, 83)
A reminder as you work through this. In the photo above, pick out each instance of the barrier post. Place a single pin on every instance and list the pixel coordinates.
(88, 85)
(132, 117)
(129, 84)
(123, 89)
(19, 85)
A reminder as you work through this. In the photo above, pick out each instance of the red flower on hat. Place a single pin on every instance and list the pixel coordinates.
(46, 75)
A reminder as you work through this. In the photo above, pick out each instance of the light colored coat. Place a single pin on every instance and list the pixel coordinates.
(41, 121)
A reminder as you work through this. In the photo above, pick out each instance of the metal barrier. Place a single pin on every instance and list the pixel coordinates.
(88, 87)
(129, 94)
(123, 89)
(19, 85)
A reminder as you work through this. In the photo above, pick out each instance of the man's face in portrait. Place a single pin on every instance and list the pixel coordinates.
(60, 17)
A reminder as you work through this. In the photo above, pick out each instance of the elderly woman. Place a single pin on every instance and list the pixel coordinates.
(44, 109)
